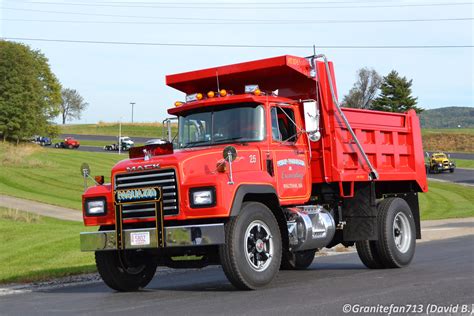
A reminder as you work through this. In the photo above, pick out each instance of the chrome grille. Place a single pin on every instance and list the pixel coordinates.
(166, 179)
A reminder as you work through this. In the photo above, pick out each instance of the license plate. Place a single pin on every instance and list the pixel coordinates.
(140, 238)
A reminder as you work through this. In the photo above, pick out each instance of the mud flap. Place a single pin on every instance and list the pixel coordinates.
(360, 214)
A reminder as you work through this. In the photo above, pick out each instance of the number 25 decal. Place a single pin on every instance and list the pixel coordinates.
(253, 158)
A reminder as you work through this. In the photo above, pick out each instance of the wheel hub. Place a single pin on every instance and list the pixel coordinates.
(402, 232)
(258, 245)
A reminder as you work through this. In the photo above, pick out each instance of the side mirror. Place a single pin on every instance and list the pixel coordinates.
(311, 120)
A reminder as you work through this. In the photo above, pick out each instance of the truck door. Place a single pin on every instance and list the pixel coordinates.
(290, 156)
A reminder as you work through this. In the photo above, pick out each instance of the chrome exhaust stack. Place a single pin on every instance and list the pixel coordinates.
(309, 227)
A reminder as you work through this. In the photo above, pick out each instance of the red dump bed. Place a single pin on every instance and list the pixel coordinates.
(392, 141)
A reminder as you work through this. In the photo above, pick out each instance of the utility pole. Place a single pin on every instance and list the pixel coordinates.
(132, 103)
(120, 136)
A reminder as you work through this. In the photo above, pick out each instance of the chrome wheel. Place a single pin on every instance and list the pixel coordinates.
(258, 245)
(402, 232)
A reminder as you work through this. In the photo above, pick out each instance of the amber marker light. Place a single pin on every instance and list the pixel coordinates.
(257, 92)
(211, 94)
(178, 103)
(223, 93)
(199, 96)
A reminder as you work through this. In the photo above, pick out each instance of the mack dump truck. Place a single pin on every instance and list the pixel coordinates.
(266, 170)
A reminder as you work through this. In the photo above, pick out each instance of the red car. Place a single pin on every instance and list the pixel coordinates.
(68, 142)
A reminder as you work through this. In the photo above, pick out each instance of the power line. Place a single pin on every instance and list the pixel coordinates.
(235, 7)
(227, 20)
(241, 45)
(230, 22)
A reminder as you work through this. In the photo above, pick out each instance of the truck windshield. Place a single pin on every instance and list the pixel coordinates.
(243, 122)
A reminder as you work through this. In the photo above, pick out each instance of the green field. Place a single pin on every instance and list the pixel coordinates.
(446, 200)
(464, 163)
(50, 175)
(151, 130)
(36, 248)
(449, 139)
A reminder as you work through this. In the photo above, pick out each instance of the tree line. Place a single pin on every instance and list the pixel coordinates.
(31, 96)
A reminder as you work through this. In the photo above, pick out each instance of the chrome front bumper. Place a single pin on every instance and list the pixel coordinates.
(176, 236)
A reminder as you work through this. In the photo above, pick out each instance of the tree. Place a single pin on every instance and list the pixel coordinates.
(30, 93)
(364, 90)
(395, 95)
(72, 105)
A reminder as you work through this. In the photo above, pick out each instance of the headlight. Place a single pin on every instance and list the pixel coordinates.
(202, 197)
(95, 207)
(440, 164)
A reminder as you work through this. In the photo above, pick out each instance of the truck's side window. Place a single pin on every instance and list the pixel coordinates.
(283, 128)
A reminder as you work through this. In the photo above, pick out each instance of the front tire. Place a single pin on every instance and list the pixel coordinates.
(125, 271)
(251, 256)
(397, 237)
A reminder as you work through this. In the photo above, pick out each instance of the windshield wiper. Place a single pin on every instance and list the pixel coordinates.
(195, 143)
(226, 140)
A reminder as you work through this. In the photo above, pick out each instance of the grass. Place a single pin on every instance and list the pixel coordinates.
(151, 130)
(34, 248)
(455, 140)
(49, 175)
(446, 200)
(464, 163)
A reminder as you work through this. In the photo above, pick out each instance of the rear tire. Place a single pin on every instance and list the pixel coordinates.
(251, 256)
(300, 260)
(397, 237)
(368, 254)
(125, 271)
(451, 170)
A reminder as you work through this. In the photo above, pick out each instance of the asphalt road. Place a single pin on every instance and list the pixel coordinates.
(465, 176)
(442, 273)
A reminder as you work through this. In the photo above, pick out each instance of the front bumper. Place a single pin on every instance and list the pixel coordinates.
(175, 236)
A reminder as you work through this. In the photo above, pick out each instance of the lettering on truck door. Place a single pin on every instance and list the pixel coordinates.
(290, 156)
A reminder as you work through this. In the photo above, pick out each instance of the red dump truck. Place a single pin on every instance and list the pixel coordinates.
(267, 169)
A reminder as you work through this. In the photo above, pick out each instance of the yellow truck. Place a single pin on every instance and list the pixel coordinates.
(439, 162)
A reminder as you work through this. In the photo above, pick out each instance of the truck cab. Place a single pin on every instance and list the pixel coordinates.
(266, 170)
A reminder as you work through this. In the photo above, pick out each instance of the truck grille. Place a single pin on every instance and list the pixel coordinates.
(166, 179)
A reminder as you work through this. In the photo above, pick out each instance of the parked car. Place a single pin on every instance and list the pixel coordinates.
(115, 147)
(68, 142)
(126, 140)
(42, 140)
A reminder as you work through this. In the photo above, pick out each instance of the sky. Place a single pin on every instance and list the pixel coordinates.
(110, 76)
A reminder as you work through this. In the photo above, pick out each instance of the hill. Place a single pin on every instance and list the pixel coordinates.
(448, 117)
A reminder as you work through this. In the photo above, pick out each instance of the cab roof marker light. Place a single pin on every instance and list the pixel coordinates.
(222, 92)
(178, 103)
(251, 88)
(211, 94)
(194, 97)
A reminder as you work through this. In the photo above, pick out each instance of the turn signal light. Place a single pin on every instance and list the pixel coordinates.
(223, 93)
(99, 180)
(178, 103)
(211, 94)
